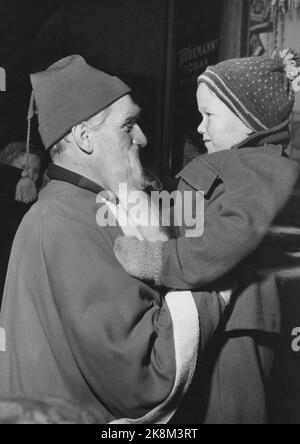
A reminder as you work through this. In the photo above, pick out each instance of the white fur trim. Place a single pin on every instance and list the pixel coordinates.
(186, 330)
(226, 295)
(186, 341)
(2, 340)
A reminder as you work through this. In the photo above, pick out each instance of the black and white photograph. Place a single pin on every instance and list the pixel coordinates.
(150, 214)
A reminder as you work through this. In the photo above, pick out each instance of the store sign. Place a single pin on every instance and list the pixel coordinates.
(195, 58)
(2, 80)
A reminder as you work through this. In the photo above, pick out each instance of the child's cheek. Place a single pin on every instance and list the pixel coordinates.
(220, 131)
(213, 132)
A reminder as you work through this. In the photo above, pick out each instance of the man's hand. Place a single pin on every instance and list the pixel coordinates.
(141, 259)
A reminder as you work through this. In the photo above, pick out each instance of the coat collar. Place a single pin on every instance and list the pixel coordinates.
(56, 172)
(198, 177)
(202, 174)
(279, 135)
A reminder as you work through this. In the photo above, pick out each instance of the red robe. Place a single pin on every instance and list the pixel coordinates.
(79, 328)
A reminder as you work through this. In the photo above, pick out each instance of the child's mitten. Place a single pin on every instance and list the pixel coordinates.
(141, 259)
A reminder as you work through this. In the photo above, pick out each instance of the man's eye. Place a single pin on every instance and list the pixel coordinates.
(128, 129)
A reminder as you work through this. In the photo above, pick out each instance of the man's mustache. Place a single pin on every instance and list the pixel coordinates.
(143, 177)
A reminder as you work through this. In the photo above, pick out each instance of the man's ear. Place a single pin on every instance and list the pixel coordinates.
(81, 137)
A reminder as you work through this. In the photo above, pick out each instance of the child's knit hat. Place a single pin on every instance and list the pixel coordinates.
(259, 90)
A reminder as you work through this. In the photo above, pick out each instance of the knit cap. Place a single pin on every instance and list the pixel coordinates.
(259, 90)
(70, 92)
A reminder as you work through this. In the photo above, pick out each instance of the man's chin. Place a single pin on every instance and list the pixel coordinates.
(138, 179)
(138, 184)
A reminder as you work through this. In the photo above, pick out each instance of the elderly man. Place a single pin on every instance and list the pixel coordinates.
(77, 326)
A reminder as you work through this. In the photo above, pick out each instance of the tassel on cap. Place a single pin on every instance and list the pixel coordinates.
(26, 191)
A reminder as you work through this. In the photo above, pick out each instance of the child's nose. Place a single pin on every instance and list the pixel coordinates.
(202, 127)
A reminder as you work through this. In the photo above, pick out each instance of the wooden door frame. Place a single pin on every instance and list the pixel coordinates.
(234, 31)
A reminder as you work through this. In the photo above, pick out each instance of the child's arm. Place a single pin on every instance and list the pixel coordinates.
(257, 186)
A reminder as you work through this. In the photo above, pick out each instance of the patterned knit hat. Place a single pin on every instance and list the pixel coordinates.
(259, 90)
(70, 92)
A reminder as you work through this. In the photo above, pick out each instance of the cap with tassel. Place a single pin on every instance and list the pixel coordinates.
(70, 92)
(26, 190)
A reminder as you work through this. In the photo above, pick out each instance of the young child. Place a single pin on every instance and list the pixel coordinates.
(246, 176)
(247, 181)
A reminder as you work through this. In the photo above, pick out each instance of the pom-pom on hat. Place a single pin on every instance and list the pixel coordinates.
(259, 90)
(70, 92)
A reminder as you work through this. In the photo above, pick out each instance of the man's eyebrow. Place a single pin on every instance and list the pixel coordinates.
(133, 115)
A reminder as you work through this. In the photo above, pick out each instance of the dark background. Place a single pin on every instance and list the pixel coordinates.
(137, 40)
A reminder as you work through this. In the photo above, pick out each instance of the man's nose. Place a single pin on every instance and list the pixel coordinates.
(139, 137)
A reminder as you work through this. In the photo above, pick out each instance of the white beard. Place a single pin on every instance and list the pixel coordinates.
(113, 172)
(148, 222)
(132, 175)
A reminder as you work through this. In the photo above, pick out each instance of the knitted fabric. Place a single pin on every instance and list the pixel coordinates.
(71, 92)
(257, 89)
(141, 259)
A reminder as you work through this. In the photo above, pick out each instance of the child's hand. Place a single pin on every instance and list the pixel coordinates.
(141, 259)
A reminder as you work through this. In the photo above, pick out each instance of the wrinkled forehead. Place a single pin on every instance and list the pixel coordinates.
(125, 109)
